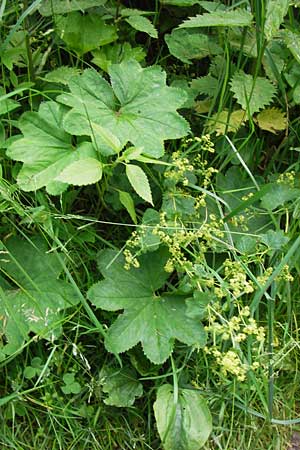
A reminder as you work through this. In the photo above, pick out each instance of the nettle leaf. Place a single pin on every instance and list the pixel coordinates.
(190, 44)
(139, 181)
(183, 423)
(141, 23)
(207, 85)
(252, 94)
(128, 203)
(152, 318)
(51, 7)
(83, 33)
(231, 18)
(115, 54)
(121, 385)
(45, 148)
(137, 107)
(276, 11)
(292, 41)
(272, 119)
(225, 122)
(37, 298)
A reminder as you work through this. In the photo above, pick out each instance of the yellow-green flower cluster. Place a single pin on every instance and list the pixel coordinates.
(180, 166)
(236, 278)
(287, 178)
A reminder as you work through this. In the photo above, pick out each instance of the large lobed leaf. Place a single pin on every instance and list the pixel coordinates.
(37, 298)
(153, 319)
(138, 107)
(45, 148)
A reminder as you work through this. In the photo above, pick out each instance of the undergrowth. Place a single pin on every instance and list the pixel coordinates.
(149, 199)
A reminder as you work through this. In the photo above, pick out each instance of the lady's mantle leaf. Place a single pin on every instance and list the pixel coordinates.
(121, 385)
(82, 172)
(37, 299)
(45, 148)
(183, 423)
(252, 94)
(83, 33)
(139, 181)
(136, 107)
(153, 319)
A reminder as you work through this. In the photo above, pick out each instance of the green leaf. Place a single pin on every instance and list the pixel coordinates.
(82, 172)
(183, 423)
(115, 54)
(83, 33)
(231, 18)
(71, 386)
(147, 313)
(139, 181)
(292, 41)
(6, 104)
(62, 74)
(179, 2)
(45, 148)
(37, 298)
(51, 7)
(190, 44)
(276, 11)
(128, 203)
(275, 240)
(278, 196)
(141, 23)
(252, 94)
(206, 85)
(121, 385)
(136, 107)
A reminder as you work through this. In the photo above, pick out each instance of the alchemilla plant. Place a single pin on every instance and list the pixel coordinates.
(149, 191)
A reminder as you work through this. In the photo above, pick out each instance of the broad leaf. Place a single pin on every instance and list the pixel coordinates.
(272, 119)
(37, 298)
(136, 107)
(115, 54)
(279, 195)
(52, 7)
(62, 75)
(83, 33)
(190, 44)
(184, 423)
(82, 172)
(121, 385)
(139, 181)
(149, 317)
(232, 18)
(45, 148)
(276, 10)
(252, 94)
(141, 23)
(292, 41)
(128, 203)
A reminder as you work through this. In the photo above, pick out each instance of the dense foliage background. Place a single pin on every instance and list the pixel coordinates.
(149, 191)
